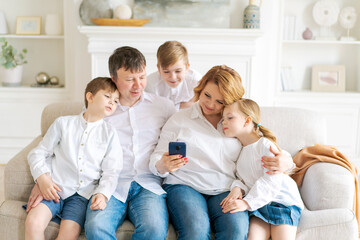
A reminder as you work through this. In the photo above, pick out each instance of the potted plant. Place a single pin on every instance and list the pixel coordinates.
(12, 64)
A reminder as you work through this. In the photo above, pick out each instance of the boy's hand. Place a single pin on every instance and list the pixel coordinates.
(48, 188)
(170, 163)
(237, 205)
(98, 202)
(186, 104)
(234, 194)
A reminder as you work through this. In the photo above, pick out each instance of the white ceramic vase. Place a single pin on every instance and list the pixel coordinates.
(11, 77)
(53, 24)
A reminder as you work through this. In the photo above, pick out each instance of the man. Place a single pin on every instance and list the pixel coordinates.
(138, 121)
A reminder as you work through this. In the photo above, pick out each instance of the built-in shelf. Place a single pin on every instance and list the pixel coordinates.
(319, 97)
(27, 93)
(32, 36)
(335, 42)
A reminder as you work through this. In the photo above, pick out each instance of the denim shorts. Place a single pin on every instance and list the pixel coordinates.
(278, 214)
(72, 208)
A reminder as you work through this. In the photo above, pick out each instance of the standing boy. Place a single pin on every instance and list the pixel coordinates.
(86, 161)
(174, 79)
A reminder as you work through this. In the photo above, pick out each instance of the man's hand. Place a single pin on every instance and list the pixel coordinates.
(234, 194)
(237, 205)
(48, 188)
(170, 163)
(34, 199)
(278, 164)
(98, 202)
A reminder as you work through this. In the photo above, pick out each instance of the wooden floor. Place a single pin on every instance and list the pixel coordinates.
(2, 195)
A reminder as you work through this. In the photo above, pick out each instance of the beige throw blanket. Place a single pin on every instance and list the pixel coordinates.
(324, 153)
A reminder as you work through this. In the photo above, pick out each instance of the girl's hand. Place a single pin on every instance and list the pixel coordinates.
(237, 205)
(98, 202)
(170, 163)
(278, 164)
(48, 188)
(234, 194)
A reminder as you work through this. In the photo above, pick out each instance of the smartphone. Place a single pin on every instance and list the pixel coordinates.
(177, 148)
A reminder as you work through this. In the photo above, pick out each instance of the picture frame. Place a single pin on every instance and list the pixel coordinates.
(328, 78)
(28, 25)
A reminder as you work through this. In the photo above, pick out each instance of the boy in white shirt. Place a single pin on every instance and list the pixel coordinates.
(174, 79)
(85, 160)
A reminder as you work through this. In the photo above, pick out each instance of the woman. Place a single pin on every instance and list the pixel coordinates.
(197, 184)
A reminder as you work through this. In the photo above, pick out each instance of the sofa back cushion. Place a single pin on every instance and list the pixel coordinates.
(294, 128)
(55, 110)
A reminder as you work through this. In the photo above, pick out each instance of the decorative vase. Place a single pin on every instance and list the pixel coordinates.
(252, 15)
(53, 24)
(11, 77)
(307, 34)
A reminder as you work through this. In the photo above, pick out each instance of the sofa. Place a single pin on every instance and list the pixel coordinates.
(327, 189)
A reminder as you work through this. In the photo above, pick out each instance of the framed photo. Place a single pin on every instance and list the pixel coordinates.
(328, 78)
(28, 25)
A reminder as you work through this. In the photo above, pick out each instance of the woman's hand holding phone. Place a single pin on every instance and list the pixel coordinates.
(170, 163)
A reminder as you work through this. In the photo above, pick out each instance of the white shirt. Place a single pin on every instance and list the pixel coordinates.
(211, 155)
(84, 153)
(184, 92)
(262, 188)
(139, 128)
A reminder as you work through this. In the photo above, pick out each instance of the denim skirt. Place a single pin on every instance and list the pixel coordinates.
(278, 214)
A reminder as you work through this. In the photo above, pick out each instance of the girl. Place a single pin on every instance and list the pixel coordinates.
(273, 200)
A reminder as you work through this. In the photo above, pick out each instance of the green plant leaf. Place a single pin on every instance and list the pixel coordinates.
(9, 56)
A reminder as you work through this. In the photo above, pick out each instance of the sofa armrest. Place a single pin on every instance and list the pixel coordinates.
(328, 186)
(18, 179)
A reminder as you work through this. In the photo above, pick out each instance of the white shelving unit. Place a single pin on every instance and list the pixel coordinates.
(21, 106)
(342, 109)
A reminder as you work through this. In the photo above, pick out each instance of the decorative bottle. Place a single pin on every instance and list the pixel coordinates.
(252, 15)
(307, 34)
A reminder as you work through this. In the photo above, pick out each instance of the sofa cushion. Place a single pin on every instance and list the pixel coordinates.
(18, 179)
(55, 110)
(294, 128)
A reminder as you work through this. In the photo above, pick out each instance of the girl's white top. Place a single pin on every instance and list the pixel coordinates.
(260, 187)
(83, 157)
(184, 92)
(211, 155)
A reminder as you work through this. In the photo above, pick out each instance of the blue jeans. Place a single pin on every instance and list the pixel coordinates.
(194, 215)
(145, 209)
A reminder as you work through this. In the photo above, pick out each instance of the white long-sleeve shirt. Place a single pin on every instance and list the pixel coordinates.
(184, 92)
(139, 128)
(211, 155)
(262, 188)
(87, 156)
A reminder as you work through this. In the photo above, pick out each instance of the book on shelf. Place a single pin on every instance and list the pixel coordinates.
(287, 78)
(289, 29)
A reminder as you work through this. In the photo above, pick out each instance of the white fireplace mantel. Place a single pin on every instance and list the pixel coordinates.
(206, 46)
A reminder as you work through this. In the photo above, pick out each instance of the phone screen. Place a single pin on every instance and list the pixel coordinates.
(177, 148)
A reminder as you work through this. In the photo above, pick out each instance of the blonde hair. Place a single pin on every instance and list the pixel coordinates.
(251, 108)
(228, 81)
(170, 53)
